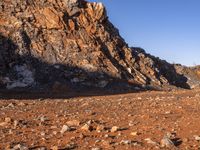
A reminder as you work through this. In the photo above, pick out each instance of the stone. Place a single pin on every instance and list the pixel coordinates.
(87, 127)
(11, 105)
(114, 129)
(43, 118)
(54, 148)
(15, 123)
(20, 147)
(3, 124)
(166, 142)
(82, 136)
(8, 120)
(65, 128)
(100, 128)
(96, 148)
(73, 123)
(126, 142)
(197, 138)
(134, 133)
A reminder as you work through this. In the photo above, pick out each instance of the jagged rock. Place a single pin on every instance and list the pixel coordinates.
(65, 128)
(72, 42)
(191, 73)
(87, 127)
(167, 142)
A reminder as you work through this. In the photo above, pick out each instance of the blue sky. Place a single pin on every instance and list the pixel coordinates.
(169, 29)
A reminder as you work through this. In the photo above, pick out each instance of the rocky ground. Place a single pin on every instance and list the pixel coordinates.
(142, 120)
(70, 45)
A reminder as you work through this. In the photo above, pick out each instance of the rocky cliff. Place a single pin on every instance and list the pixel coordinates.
(73, 43)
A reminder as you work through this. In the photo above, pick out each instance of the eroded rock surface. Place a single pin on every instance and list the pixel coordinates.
(73, 42)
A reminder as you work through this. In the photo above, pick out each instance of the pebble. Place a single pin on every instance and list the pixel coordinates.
(197, 138)
(16, 123)
(65, 128)
(3, 124)
(134, 133)
(8, 120)
(54, 148)
(11, 105)
(96, 148)
(20, 147)
(43, 118)
(21, 104)
(100, 128)
(114, 129)
(87, 127)
(126, 142)
(185, 140)
(82, 136)
(42, 133)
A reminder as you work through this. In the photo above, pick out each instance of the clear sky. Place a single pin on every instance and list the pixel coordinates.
(169, 29)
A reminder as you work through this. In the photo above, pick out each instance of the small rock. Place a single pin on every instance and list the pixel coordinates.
(54, 148)
(11, 105)
(150, 141)
(41, 148)
(197, 138)
(168, 112)
(100, 128)
(20, 147)
(185, 140)
(16, 123)
(54, 132)
(73, 123)
(166, 142)
(106, 143)
(106, 136)
(82, 136)
(42, 133)
(114, 129)
(21, 104)
(134, 133)
(87, 127)
(65, 128)
(8, 120)
(97, 141)
(90, 122)
(2, 124)
(43, 118)
(126, 142)
(96, 148)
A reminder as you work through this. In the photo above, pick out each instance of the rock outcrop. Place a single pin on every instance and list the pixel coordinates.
(72, 42)
(191, 73)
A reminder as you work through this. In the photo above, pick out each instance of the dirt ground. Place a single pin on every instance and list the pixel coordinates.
(143, 120)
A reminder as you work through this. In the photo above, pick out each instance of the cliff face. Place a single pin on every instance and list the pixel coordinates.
(191, 73)
(72, 42)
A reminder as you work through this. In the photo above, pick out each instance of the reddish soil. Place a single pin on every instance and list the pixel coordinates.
(36, 124)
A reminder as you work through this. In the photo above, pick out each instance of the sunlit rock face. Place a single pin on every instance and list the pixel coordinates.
(73, 42)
